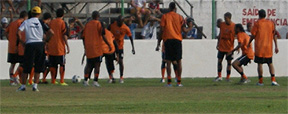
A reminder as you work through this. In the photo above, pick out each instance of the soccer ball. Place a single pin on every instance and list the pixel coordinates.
(76, 79)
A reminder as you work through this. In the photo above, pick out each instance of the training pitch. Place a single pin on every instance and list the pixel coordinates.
(199, 95)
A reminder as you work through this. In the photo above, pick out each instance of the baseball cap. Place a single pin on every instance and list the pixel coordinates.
(36, 9)
(4, 20)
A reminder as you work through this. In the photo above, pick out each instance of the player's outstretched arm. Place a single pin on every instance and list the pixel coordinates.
(132, 43)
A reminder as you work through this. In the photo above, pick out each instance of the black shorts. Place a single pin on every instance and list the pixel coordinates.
(221, 55)
(244, 60)
(262, 60)
(173, 50)
(55, 60)
(109, 60)
(92, 61)
(34, 56)
(121, 54)
(20, 59)
(12, 58)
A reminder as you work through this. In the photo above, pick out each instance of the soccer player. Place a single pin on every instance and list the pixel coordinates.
(163, 66)
(56, 47)
(172, 24)
(247, 52)
(34, 48)
(225, 45)
(92, 39)
(263, 33)
(110, 54)
(119, 31)
(11, 32)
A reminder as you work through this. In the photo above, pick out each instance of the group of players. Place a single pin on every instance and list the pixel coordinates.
(38, 37)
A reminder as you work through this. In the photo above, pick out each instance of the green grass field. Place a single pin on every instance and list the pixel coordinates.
(199, 95)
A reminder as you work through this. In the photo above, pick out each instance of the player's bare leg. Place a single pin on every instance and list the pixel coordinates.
(239, 69)
(179, 72)
(229, 66)
(272, 72)
(219, 69)
(260, 74)
(121, 68)
(168, 69)
(96, 74)
(11, 73)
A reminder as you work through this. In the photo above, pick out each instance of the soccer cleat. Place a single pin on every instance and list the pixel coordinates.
(162, 80)
(63, 84)
(43, 82)
(228, 80)
(21, 89)
(260, 84)
(96, 84)
(168, 85)
(275, 84)
(13, 84)
(179, 85)
(217, 79)
(244, 81)
(121, 81)
(85, 83)
(35, 89)
(111, 81)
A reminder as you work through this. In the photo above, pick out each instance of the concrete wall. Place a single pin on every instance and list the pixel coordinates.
(199, 60)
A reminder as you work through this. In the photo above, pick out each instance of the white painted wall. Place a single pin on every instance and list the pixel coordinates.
(199, 60)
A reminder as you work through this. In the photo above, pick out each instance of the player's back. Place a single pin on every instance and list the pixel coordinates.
(12, 34)
(93, 39)
(244, 39)
(172, 25)
(56, 45)
(263, 30)
(110, 38)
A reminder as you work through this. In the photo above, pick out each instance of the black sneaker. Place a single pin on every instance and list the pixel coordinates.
(35, 89)
(21, 89)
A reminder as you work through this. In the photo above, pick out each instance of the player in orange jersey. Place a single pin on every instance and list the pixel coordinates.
(172, 25)
(92, 39)
(56, 47)
(225, 45)
(119, 30)
(11, 32)
(247, 52)
(263, 32)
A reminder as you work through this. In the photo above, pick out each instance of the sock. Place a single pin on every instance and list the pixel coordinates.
(228, 74)
(178, 80)
(273, 78)
(219, 74)
(169, 79)
(244, 76)
(96, 77)
(121, 77)
(260, 79)
(62, 73)
(86, 76)
(163, 72)
(53, 74)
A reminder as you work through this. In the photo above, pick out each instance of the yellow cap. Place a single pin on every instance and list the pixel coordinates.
(36, 9)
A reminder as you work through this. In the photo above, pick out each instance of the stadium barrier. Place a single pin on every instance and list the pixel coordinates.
(199, 60)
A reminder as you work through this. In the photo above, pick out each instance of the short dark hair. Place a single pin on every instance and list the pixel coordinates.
(95, 14)
(172, 5)
(228, 14)
(59, 12)
(46, 16)
(23, 14)
(262, 13)
(240, 27)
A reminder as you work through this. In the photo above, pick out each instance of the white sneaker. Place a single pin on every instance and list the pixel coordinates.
(13, 84)
(111, 81)
(244, 81)
(179, 85)
(217, 79)
(96, 84)
(162, 80)
(85, 83)
(275, 84)
(260, 84)
(121, 81)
